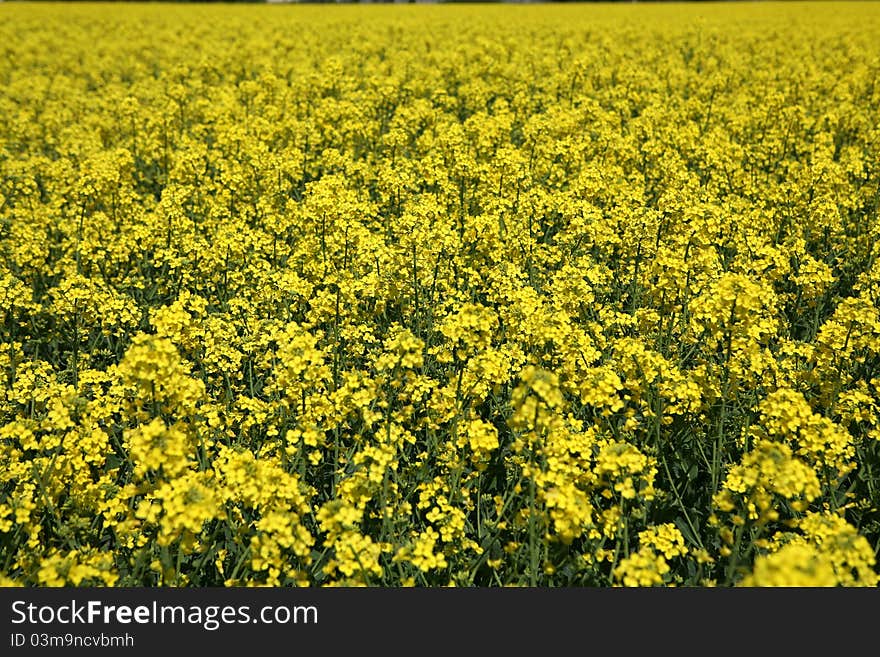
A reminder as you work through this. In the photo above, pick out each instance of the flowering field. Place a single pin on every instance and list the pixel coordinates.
(547, 295)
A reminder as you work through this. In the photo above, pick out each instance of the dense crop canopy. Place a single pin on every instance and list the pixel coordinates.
(543, 295)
